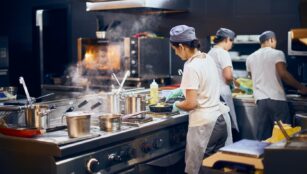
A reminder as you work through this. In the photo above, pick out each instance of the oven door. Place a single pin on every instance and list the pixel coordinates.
(167, 164)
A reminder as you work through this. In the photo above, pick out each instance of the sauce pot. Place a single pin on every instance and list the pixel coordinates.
(110, 122)
(78, 123)
(35, 116)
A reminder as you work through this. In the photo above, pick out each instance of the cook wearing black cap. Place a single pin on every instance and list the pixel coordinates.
(267, 67)
(223, 43)
(209, 122)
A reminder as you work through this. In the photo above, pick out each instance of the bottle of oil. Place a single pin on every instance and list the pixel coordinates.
(154, 93)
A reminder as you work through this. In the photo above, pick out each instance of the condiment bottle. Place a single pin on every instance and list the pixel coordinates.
(154, 93)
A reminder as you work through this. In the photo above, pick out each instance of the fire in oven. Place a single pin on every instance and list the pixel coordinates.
(143, 57)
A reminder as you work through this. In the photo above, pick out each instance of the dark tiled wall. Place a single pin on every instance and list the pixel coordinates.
(244, 17)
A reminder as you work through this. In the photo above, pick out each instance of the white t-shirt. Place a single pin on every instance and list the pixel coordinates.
(200, 73)
(266, 81)
(222, 60)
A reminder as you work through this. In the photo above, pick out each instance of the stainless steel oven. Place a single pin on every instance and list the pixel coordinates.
(144, 57)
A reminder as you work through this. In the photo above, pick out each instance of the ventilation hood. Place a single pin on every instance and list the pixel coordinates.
(143, 6)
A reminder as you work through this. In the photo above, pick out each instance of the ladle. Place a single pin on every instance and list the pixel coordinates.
(123, 81)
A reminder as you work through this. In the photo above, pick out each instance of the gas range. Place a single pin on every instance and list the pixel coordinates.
(155, 143)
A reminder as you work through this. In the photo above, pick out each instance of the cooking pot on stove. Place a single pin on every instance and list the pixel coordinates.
(114, 103)
(135, 103)
(110, 122)
(36, 116)
(78, 123)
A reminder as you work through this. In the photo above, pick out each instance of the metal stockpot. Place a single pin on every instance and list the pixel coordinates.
(110, 122)
(78, 123)
(35, 116)
(135, 103)
(114, 103)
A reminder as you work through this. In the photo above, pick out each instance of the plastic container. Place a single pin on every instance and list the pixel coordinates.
(154, 93)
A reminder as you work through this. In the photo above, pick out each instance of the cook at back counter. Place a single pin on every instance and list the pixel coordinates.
(267, 67)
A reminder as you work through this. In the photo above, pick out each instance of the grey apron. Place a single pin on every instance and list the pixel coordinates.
(226, 95)
(198, 138)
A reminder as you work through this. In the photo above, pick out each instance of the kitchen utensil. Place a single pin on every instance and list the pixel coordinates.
(114, 76)
(78, 123)
(34, 116)
(135, 103)
(110, 122)
(123, 81)
(83, 103)
(114, 103)
(43, 96)
(161, 108)
(21, 132)
(95, 105)
(23, 83)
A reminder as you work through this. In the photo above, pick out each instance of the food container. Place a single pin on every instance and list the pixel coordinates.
(78, 123)
(110, 122)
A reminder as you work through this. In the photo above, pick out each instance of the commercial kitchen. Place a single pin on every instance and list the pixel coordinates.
(85, 86)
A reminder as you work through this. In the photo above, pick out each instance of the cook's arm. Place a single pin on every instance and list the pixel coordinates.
(190, 101)
(227, 74)
(288, 78)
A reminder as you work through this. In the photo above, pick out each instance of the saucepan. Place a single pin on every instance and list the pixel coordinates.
(110, 122)
(36, 115)
(78, 123)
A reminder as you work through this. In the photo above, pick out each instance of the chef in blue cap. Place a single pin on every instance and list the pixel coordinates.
(267, 67)
(209, 122)
(223, 43)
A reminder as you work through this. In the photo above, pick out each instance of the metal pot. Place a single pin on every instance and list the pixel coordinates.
(35, 116)
(78, 123)
(110, 122)
(135, 103)
(114, 103)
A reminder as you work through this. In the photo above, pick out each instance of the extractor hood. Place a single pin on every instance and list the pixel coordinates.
(144, 6)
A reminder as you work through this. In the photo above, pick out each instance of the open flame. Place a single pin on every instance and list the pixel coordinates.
(102, 57)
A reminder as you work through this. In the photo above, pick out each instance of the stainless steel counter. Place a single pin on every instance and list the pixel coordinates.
(247, 116)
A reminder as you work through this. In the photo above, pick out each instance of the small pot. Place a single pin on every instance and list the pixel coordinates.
(110, 122)
(78, 123)
(34, 116)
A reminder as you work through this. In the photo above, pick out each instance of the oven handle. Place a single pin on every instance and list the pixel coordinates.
(168, 160)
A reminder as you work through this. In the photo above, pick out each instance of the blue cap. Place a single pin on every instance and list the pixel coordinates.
(266, 36)
(226, 33)
(182, 33)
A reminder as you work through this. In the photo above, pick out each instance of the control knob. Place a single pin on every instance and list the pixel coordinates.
(114, 157)
(92, 165)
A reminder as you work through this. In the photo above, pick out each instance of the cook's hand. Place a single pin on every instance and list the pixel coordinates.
(303, 90)
(176, 93)
(175, 108)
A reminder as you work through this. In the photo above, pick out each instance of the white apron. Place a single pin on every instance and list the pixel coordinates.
(198, 139)
(226, 95)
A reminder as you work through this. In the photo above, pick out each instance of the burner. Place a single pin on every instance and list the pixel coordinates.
(137, 120)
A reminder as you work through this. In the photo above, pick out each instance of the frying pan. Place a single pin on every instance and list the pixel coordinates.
(21, 132)
(165, 108)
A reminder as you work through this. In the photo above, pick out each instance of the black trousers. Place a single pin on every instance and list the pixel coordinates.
(218, 137)
(268, 111)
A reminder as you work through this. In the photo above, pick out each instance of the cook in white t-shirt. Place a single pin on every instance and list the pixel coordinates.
(209, 122)
(223, 42)
(267, 66)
